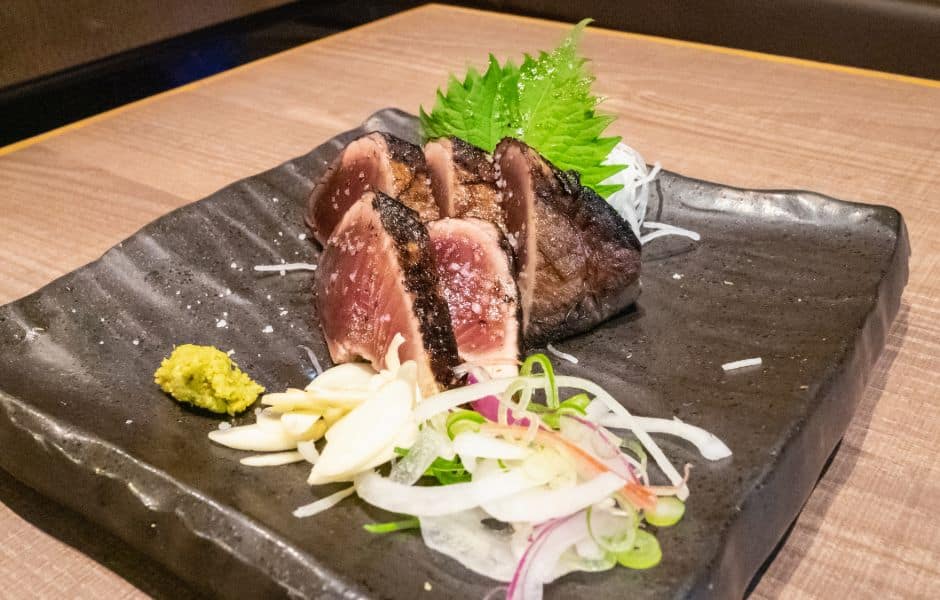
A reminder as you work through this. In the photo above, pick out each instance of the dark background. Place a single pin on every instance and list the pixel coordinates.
(62, 61)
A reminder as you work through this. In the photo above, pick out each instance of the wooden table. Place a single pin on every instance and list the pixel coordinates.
(871, 528)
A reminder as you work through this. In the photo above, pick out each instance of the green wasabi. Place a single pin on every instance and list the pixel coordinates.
(206, 377)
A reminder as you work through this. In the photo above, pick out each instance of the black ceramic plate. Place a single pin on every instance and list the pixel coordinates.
(808, 283)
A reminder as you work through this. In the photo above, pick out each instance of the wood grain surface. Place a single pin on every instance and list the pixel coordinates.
(870, 529)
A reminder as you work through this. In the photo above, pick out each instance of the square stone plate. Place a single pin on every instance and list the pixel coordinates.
(808, 283)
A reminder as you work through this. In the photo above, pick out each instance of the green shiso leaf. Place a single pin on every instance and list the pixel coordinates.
(545, 102)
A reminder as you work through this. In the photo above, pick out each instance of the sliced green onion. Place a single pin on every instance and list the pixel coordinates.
(460, 421)
(392, 526)
(645, 553)
(552, 420)
(551, 390)
(667, 512)
(624, 530)
(576, 404)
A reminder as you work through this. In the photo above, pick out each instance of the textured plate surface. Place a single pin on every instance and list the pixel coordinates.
(808, 283)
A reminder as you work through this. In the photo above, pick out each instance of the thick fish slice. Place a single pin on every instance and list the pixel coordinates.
(578, 261)
(377, 278)
(379, 162)
(475, 272)
(463, 179)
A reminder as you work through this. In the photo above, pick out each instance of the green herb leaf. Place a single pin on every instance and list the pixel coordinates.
(479, 109)
(546, 102)
(448, 471)
(557, 112)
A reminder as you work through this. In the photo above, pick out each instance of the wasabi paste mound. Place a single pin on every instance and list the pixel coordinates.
(207, 378)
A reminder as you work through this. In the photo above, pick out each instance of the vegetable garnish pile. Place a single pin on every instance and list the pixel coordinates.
(547, 103)
(515, 489)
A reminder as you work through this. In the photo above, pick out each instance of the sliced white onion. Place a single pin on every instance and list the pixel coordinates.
(541, 504)
(269, 419)
(254, 437)
(308, 510)
(347, 376)
(479, 445)
(439, 500)
(540, 561)
(309, 451)
(354, 440)
(316, 400)
(595, 411)
(707, 443)
(272, 460)
(392, 361)
(299, 424)
(618, 409)
(464, 538)
(469, 463)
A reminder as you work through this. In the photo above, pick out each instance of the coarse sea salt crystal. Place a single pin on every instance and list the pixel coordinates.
(221, 323)
(267, 329)
(136, 342)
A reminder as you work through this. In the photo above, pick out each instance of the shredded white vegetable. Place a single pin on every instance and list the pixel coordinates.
(298, 266)
(562, 355)
(631, 201)
(740, 364)
(308, 510)
(707, 443)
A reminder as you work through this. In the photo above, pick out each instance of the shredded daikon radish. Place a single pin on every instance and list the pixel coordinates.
(663, 229)
(631, 201)
(740, 364)
(563, 355)
(299, 266)
(308, 510)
